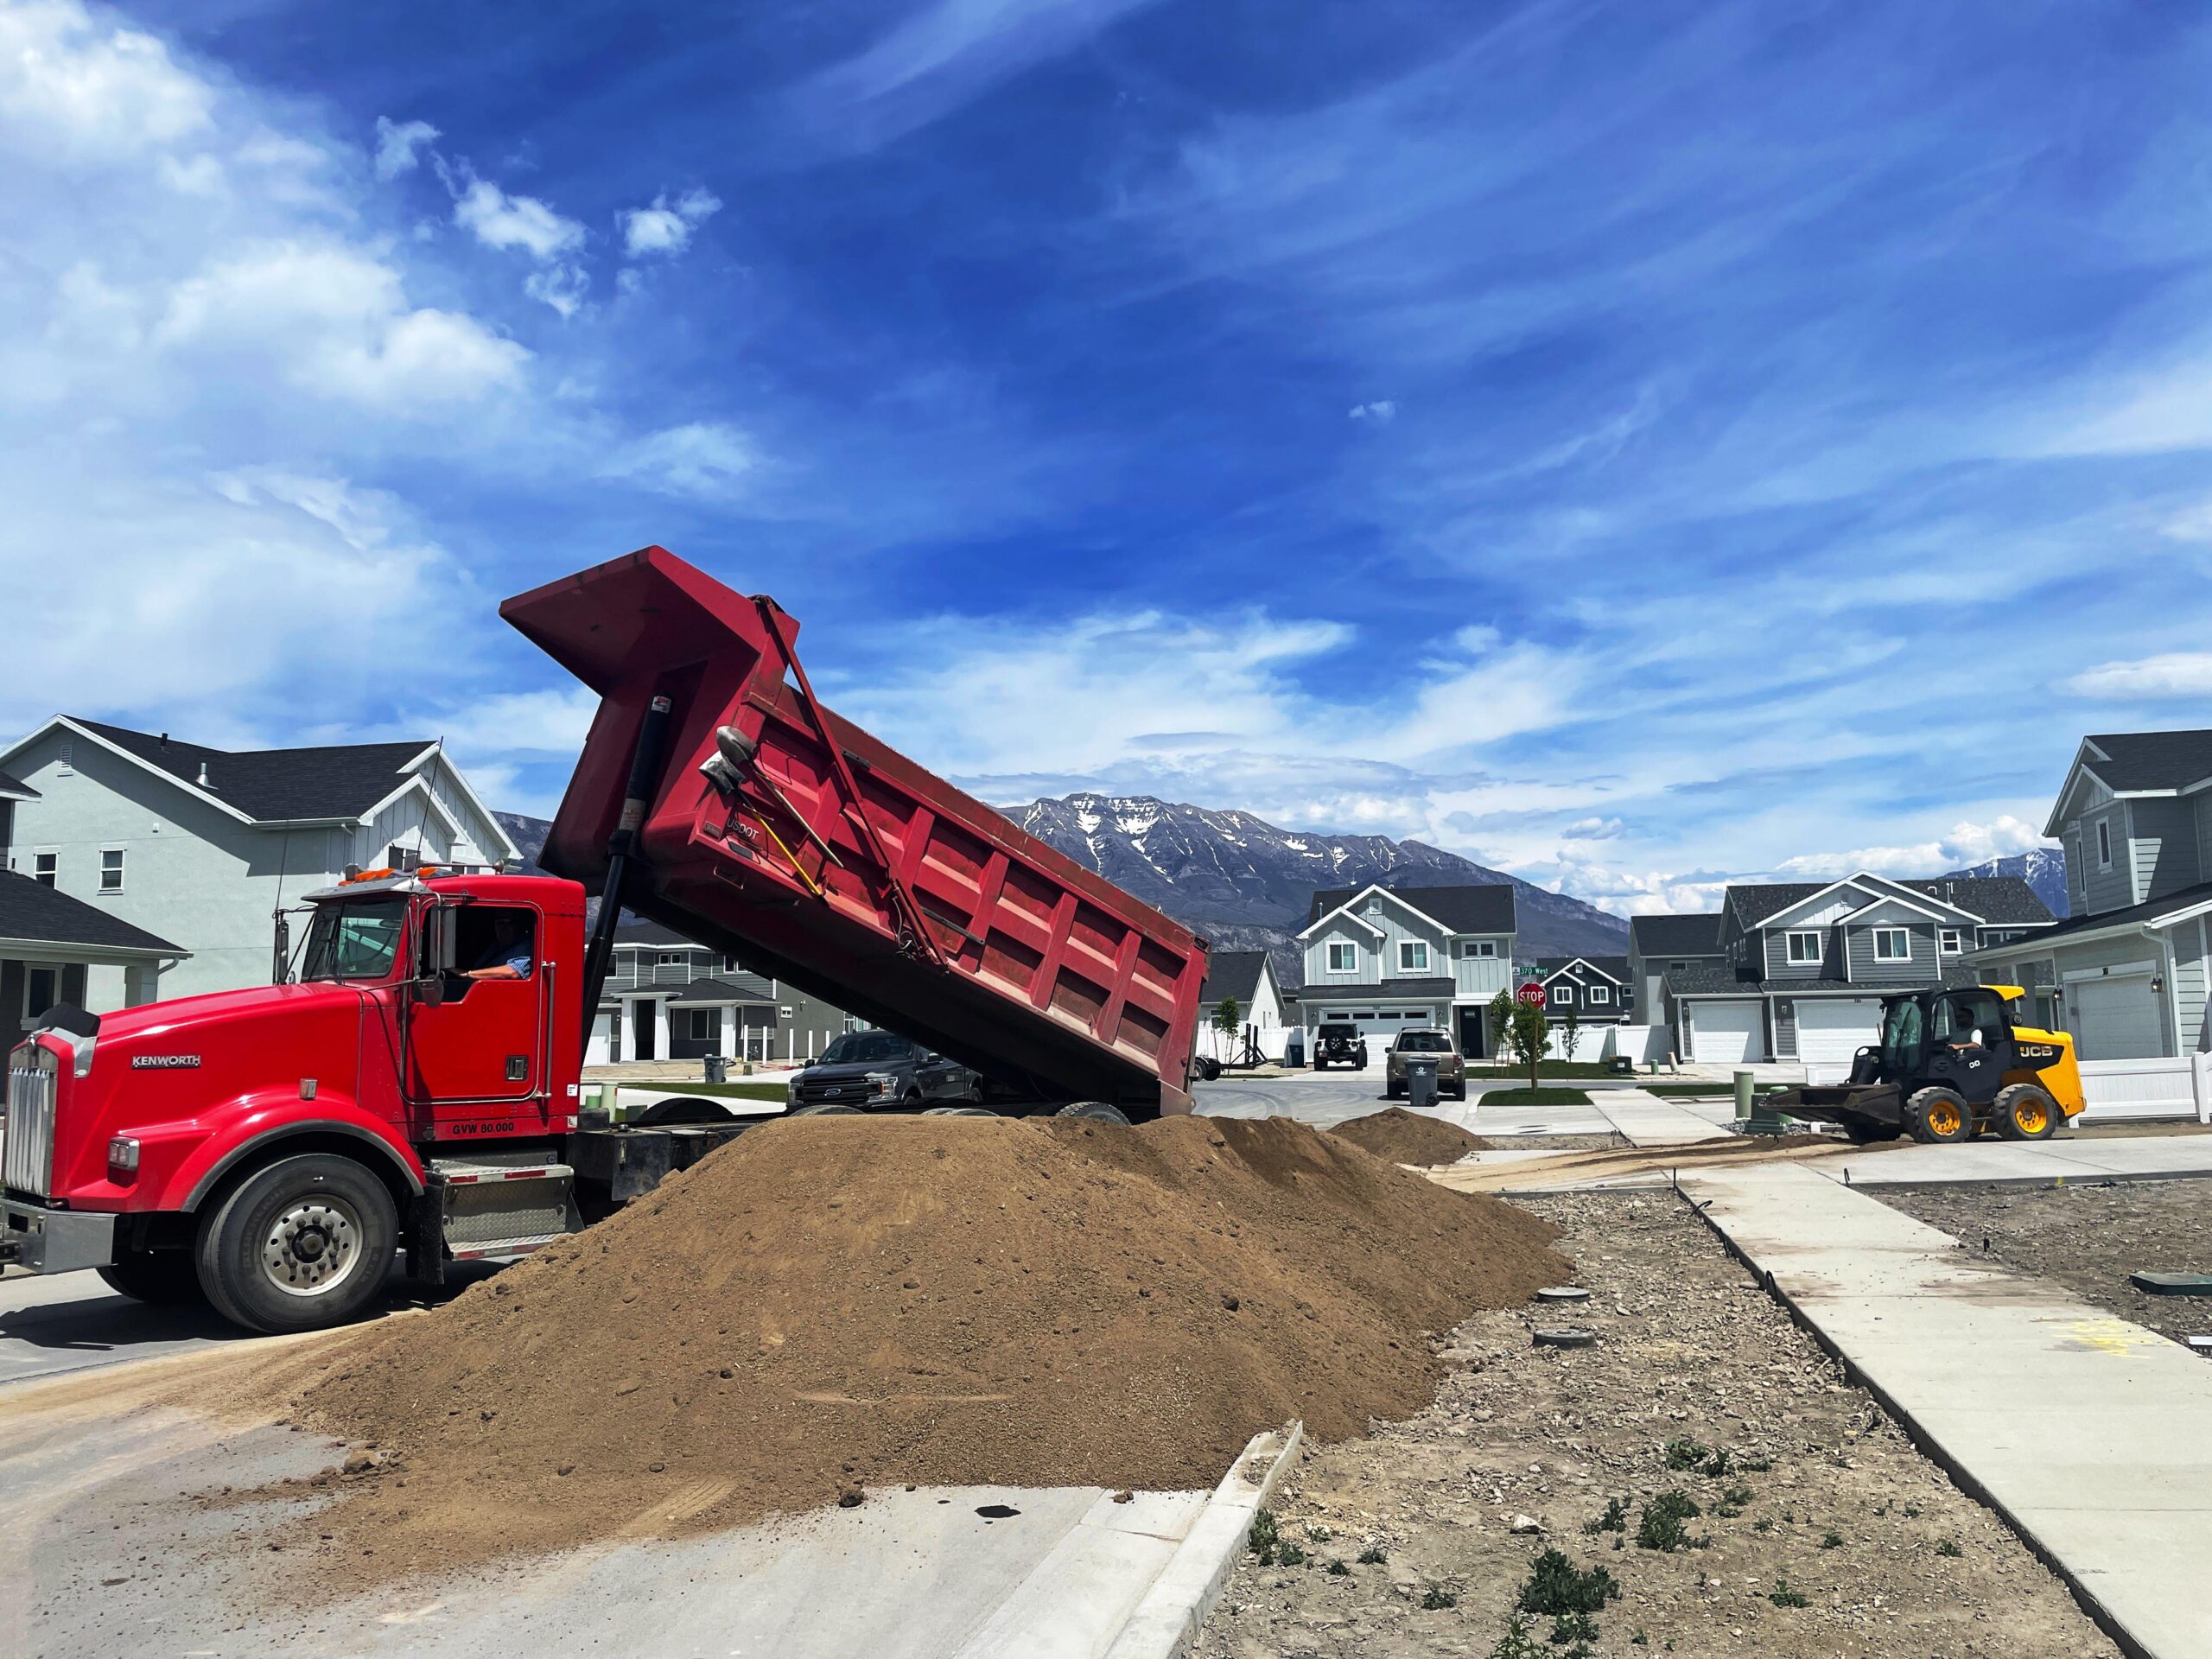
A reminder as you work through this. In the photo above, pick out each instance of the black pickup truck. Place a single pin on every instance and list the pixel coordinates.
(872, 1070)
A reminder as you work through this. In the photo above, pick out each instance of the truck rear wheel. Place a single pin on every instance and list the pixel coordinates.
(159, 1278)
(1101, 1112)
(2025, 1112)
(1939, 1114)
(300, 1245)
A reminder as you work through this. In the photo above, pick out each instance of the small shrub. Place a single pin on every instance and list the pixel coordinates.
(1950, 1547)
(1661, 1525)
(1684, 1454)
(1639, 1640)
(1757, 1465)
(1912, 1512)
(1516, 1643)
(1372, 1556)
(1733, 1502)
(1292, 1555)
(1339, 1570)
(1436, 1599)
(1717, 1465)
(1556, 1587)
(1318, 1534)
(1783, 1596)
(1263, 1536)
(1615, 1519)
(1831, 1540)
(1570, 1628)
(1763, 1525)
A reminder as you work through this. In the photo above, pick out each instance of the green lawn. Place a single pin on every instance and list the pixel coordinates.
(1550, 1068)
(1534, 1098)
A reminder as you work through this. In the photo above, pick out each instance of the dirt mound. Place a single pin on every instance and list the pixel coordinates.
(829, 1304)
(1404, 1137)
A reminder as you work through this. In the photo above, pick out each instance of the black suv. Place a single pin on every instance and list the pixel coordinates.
(1338, 1043)
(873, 1070)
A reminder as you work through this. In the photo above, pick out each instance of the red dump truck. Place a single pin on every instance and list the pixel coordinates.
(272, 1149)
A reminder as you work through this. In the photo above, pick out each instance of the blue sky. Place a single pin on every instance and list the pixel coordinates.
(1633, 445)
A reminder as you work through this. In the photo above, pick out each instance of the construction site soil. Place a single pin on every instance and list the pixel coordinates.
(827, 1304)
(1405, 1137)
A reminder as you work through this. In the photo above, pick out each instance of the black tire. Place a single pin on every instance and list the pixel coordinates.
(683, 1109)
(1209, 1069)
(959, 1111)
(1940, 1116)
(1865, 1134)
(158, 1278)
(825, 1112)
(1392, 1091)
(1320, 1064)
(301, 1245)
(1460, 1093)
(2026, 1112)
(1102, 1111)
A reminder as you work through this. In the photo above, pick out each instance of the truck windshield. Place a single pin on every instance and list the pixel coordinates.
(354, 941)
(1423, 1042)
(859, 1047)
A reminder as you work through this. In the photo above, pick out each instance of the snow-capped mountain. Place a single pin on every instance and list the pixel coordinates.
(2043, 868)
(1246, 884)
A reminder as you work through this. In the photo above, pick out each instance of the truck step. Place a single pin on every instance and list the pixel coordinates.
(489, 1208)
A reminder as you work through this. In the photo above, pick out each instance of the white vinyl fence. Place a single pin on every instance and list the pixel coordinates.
(2180, 1087)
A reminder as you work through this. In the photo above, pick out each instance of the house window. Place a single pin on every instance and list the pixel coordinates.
(2104, 843)
(1601, 993)
(41, 990)
(1947, 941)
(45, 867)
(1678, 967)
(1478, 948)
(112, 869)
(1892, 944)
(1561, 995)
(670, 959)
(1413, 957)
(1803, 949)
(1343, 958)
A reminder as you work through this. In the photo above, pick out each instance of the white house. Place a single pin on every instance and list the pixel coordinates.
(1249, 978)
(1385, 958)
(203, 846)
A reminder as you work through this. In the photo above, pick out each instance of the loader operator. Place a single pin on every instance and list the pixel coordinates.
(507, 955)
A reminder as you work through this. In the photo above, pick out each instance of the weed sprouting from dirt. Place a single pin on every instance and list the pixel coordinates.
(1318, 1534)
(1573, 1629)
(1554, 1586)
(1615, 1519)
(1339, 1570)
(1516, 1643)
(1661, 1525)
(1685, 1454)
(1263, 1537)
(1950, 1547)
(1733, 1502)
(1718, 1466)
(1372, 1556)
(1436, 1599)
(1831, 1540)
(1783, 1596)
(1291, 1555)
(1757, 1465)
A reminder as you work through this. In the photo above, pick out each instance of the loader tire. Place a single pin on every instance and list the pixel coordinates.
(2025, 1112)
(1939, 1114)
(1868, 1134)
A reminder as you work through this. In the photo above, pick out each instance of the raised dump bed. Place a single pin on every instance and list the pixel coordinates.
(785, 835)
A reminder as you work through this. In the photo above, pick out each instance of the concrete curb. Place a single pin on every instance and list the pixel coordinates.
(1166, 1623)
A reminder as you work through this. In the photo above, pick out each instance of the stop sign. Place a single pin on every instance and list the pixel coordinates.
(1532, 994)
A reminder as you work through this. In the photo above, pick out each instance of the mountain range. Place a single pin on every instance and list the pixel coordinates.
(2043, 868)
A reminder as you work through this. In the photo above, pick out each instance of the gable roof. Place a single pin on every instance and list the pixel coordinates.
(1989, 899)
(339, 781)
(1483, 907)
(1612, 968)
(1675, 936)
(2131, 761)
(16, 789)
(2178, 905)
(1233, 973)
(31, 910)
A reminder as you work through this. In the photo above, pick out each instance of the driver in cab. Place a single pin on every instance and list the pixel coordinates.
(507, 954)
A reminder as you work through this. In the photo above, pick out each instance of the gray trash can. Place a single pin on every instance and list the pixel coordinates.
(1293, 1047)
(717, 1069)
(1420, 1083)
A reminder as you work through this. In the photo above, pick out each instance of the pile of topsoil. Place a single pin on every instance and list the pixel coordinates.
(1405, 1137)
(829, 1304)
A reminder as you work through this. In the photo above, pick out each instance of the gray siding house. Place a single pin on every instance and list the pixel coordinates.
(1804, 965)
(1385, 958)
(2127, 971)
(1596, 990)
(670, 998)
(1249, 978)
(1661, 944)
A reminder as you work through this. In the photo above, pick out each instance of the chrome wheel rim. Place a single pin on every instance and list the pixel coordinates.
(311, 1246)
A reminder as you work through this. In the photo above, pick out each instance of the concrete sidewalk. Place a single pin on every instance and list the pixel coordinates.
(2090, 1435)
(1649, 1120)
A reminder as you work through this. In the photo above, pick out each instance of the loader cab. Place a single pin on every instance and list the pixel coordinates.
(1961, 1039)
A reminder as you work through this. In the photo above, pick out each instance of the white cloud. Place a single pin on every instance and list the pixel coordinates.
(665, 227)
(500, 220)
(561, 286)
(1379, 413)
(2178, 674)
(552, 722)
(82, 91)
(1967, 843)
(397, 145)
(1594, 829)
(703, 458)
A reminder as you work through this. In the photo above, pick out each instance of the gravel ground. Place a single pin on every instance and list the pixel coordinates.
(2086, 1238)
(1525, 1446)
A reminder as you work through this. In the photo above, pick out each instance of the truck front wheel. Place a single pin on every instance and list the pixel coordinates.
(302, 1244)
(159, 1278)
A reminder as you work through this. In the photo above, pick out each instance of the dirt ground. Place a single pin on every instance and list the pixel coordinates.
(1436, 1522)
(2086, 1238)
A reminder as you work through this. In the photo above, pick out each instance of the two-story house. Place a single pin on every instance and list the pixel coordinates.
(1249, 978)
(670, 998)
(203, 846)
(1659, 944)
(1385, 958)
(1596, 990)
(1805, 964)
(2126, 972)
(54, 949)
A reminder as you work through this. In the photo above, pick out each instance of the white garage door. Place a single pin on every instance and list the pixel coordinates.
(2116, 1019)
(1380, 1025)
(1836, 1028)
(1726, 1034)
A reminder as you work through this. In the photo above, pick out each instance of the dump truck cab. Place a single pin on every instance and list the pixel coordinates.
(1950, 1064)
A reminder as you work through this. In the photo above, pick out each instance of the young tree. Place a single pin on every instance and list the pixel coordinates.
(1521, 1030)
(1226, 1016)
(1570, 1031)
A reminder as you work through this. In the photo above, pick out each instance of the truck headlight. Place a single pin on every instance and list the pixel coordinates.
(881, 1084)
(122, 1160)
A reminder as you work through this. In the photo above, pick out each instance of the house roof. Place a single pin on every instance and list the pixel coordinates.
(745, 988)
(340, 781)
(2181, 898)
(1675, 936)
(645, 933)
(1995, 899)
(1718, 979)
(1485, 907)
(31, 910)
(1233, 973)
(2151, 759)
(15, 786)
(1613, 968)
(1396, 991)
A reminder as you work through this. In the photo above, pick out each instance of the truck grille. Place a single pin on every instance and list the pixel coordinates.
(29, 1139)
(850, 1092)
